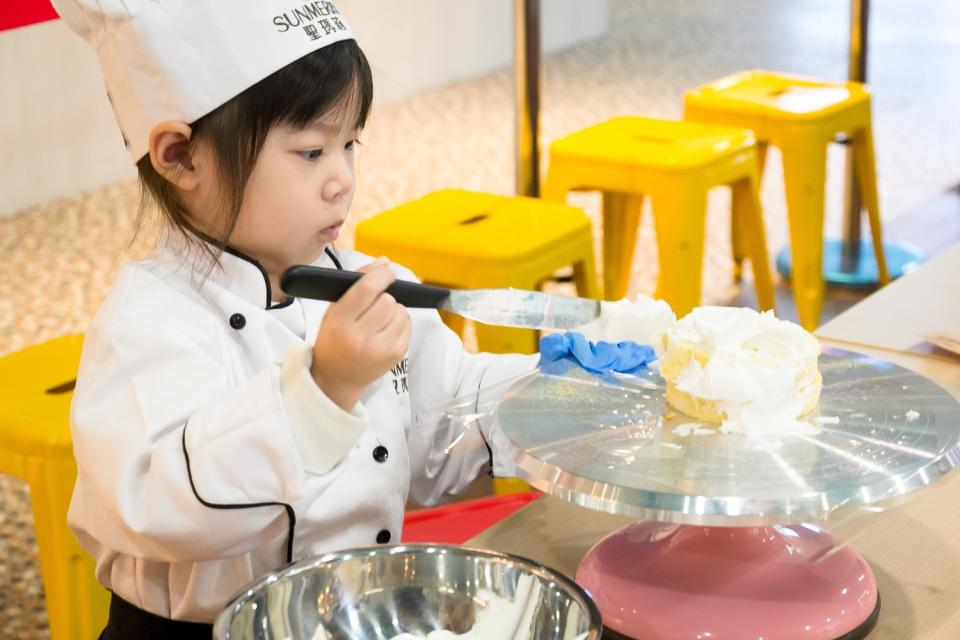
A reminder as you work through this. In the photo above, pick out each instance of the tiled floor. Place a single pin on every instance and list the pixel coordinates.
(57, 260)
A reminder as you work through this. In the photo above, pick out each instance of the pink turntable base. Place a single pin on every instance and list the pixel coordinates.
(656, 581)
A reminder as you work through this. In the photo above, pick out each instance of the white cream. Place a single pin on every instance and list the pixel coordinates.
(754, 366)
(752, 335)
(645, 321)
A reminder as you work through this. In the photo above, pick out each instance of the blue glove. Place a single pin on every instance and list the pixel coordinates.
(559, 349)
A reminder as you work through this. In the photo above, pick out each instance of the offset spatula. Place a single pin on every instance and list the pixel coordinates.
(506, 307)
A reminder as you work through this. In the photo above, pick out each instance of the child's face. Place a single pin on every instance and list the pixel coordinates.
(298, 195)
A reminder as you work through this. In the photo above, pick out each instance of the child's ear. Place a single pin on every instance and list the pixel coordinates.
(171, 156)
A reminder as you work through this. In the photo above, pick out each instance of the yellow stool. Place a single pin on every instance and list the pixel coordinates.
(676, 164)
(801, 117)
(465, 239)
(36, 386)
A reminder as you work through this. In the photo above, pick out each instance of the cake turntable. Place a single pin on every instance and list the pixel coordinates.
(727, 543)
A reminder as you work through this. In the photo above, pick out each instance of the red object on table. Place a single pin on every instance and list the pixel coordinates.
(458, 522)
(20, 13)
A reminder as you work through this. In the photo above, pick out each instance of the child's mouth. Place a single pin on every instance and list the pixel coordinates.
(331, 233)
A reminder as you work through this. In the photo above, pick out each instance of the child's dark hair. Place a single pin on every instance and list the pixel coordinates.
(334, 79)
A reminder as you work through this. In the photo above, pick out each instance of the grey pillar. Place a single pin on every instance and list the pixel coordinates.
(527, 71)
(857, 72)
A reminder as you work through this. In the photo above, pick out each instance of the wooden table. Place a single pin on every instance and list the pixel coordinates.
(914, 548)
(897, 317)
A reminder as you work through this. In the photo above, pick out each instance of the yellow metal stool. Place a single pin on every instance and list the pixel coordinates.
(465, 239)
(35, 445)
(676, 164)
(801, 117)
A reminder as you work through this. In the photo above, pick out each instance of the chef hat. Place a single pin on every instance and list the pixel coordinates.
(181, 59)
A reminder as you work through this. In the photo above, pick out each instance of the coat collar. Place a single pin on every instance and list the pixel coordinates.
(242, 274)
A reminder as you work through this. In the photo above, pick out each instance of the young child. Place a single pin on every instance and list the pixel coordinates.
(222, 429)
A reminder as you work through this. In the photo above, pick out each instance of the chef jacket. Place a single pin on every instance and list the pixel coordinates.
(207, 456)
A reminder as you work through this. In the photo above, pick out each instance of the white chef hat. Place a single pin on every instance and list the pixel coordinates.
(181, 59)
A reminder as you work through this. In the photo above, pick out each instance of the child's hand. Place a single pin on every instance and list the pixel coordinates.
(361, 336)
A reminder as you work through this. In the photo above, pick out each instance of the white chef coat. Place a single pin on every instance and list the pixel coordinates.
(206, 454)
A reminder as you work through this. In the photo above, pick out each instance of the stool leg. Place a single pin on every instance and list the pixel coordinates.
(679, 216)
(867, 171)
(750, 213)
(738, 242)
(761, 161)
(556, 185)
(804, 175)
(585, 273)
(76, 604)
(507, 486)
(621, 219)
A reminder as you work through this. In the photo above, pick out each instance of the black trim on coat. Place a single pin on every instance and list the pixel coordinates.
(291, 515)
(263, 272)
(266, 277)
(281, 305)
(239, 254)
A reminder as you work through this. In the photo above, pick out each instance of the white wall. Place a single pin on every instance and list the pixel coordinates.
(57, 132)
(418, 44)
(58, 136)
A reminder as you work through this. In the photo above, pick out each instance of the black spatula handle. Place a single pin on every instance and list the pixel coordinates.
(319, 283)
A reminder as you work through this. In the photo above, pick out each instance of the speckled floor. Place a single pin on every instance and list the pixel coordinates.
(58, 259)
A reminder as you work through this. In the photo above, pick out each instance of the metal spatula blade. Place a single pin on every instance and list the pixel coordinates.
(521, 308)
(505, 307)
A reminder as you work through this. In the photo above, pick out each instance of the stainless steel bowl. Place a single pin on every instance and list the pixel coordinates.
(379, 593)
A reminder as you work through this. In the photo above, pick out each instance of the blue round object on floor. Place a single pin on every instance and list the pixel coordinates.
(901, 259)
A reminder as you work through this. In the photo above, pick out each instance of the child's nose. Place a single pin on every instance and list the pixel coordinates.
(340, 182)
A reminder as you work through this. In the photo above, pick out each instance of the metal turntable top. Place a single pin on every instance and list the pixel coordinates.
(617, 448)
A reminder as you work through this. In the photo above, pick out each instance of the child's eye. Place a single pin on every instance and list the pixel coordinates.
(312, 154)
(350, 145)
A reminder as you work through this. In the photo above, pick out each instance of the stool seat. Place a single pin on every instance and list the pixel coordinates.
(764, 93)
(647, 143)
(801, 116)
(675, 163)
(36, 386)
(470, 231)
(466, 239)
